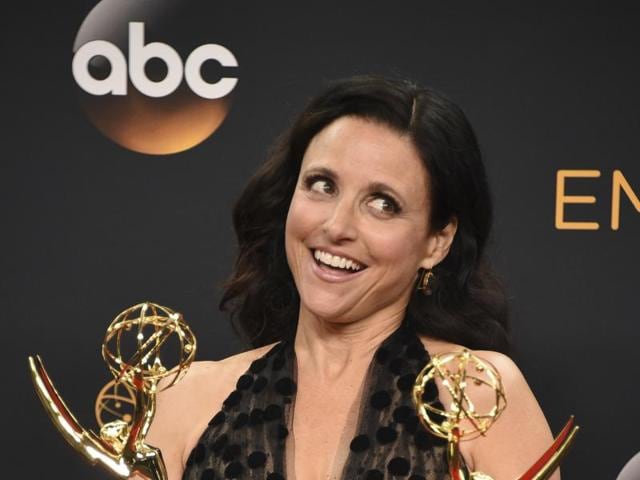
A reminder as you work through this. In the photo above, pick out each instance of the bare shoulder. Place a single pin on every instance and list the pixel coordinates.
(506, 367)
(184, 410)
(519, 436)
(512, 377)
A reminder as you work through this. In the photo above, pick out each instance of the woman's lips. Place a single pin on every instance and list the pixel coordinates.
(330, 274)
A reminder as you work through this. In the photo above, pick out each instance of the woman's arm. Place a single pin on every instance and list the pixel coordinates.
(182, 413)
(184, 410)
(520, 435)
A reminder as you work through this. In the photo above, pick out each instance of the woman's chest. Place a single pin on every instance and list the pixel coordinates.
(324, 423)
(281, 422)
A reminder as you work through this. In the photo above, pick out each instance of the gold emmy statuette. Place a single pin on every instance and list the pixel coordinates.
(131, 349)
(457, 371)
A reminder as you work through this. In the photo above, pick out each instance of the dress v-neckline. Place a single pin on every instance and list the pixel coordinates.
(249, 437)
(346, 435)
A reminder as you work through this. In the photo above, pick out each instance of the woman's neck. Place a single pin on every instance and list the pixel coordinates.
(327, 349)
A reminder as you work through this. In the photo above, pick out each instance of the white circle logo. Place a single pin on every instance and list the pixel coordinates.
(631, 471)
(140, 93)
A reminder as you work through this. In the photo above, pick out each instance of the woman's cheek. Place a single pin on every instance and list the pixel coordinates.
(390, 242)
(305, 216)
(296, 219)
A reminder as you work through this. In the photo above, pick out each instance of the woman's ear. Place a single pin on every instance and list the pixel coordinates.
(439, 243)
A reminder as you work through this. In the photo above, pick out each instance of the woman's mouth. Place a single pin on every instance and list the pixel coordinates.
(336, 263)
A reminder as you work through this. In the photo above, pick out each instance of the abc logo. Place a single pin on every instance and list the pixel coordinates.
(155, 96)
(139, 55)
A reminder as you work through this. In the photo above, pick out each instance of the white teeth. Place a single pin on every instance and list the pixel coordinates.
(336, 261)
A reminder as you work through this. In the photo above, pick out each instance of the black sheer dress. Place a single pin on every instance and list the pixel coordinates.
(249, 438)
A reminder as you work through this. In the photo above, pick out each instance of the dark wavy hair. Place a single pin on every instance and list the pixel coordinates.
(468, 305)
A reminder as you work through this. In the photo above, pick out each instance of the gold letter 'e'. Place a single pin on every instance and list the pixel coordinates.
(562, 199)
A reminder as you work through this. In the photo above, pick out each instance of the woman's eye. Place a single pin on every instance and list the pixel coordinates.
(384, 205)
(320, 185)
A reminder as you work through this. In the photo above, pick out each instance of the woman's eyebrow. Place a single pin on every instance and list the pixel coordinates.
(323, 171)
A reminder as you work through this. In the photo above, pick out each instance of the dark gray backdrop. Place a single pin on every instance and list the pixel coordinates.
(90, 228)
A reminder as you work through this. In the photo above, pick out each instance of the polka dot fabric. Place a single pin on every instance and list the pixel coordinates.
(247, 438)
(390, 442)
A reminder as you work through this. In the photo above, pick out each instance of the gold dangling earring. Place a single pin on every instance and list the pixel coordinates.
(423, 283)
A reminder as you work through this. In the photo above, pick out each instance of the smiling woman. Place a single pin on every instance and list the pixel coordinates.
(361, 254)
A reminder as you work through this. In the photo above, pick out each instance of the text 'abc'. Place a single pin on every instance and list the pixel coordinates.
(139, 55)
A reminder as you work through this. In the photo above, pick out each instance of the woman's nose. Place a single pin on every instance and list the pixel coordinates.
(340, 225)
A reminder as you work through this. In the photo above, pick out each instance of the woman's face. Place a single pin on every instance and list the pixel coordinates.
(357, 227)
